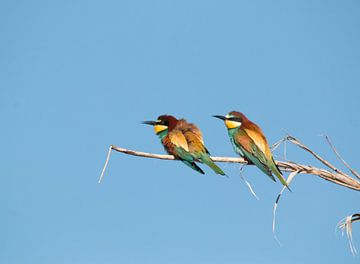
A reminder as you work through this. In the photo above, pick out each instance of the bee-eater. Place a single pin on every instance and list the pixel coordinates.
(184, 141)
(250, 143)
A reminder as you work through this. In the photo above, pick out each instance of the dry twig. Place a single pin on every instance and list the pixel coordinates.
(247, 183)
(345, 225)
(333, 175)
(340, 158)
(288, 181)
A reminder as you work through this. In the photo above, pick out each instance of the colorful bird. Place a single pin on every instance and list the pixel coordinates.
(250, 143)
(184, 141)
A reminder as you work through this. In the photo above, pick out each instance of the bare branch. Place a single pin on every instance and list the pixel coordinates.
(248, 183)
(106, 163)
(355, 173)
(345, 225)
(336, 177)
(277, 144)
(333, 175)
(325, 162)
(288, 181)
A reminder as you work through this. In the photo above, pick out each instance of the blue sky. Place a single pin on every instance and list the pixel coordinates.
(77, 76)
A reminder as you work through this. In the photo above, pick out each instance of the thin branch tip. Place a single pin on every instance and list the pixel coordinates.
(106, 163)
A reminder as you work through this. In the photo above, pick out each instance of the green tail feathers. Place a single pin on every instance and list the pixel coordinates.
(275, 169)
(193, 166)
(190, 158)
(207, 160)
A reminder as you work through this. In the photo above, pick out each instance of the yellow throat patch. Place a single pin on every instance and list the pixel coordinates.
(159, 128)
(232, 124)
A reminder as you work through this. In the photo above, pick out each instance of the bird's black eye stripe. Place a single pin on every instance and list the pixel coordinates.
(235, 119)
(163, 122)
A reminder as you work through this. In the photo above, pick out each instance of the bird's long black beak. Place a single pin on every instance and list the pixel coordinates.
(220, 117)
(151, 123)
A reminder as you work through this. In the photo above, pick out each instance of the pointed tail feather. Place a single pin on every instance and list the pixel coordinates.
(193, 166)
(275, 169)
(207, 160)
(269, 173)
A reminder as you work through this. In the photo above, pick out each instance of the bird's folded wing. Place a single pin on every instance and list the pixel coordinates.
(259, 139)
(178, 139)
(252, 152)
(189, 127)
(196, 131)
(249, 145)
(194, 143)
